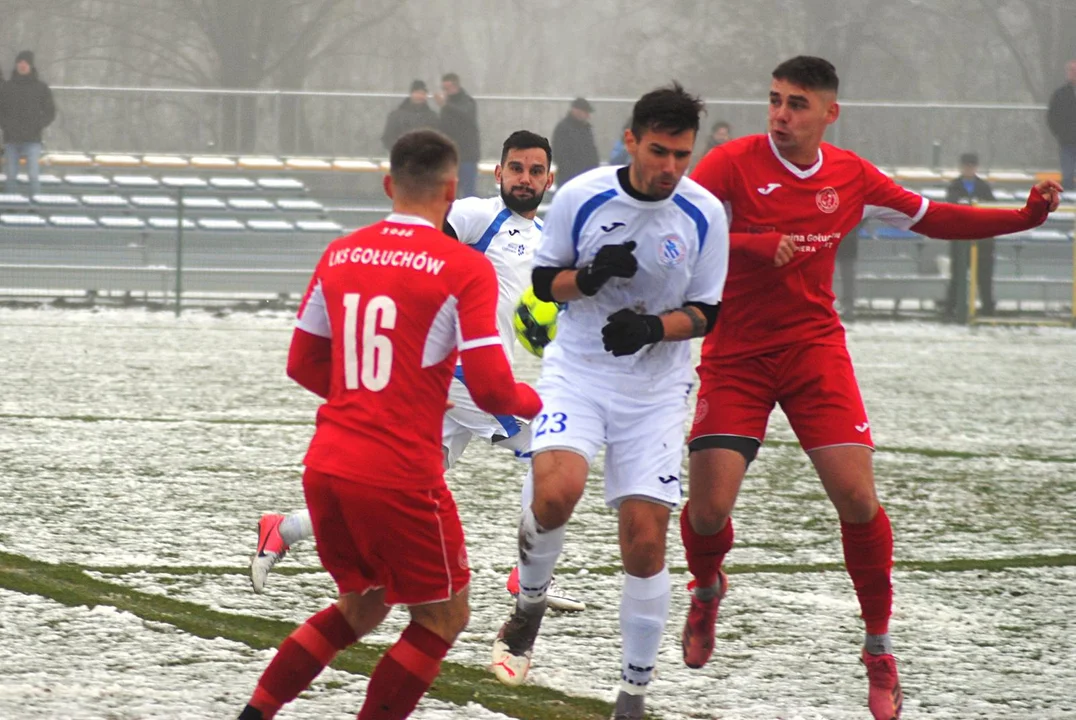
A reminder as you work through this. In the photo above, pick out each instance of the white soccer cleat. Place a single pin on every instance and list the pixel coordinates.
(559, 600)
(508, 668)
(271, 548)
(555, 597)
(260, 565)
(515, 642)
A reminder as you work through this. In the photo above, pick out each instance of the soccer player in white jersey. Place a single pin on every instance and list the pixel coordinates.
(505, 228)
(640, 255)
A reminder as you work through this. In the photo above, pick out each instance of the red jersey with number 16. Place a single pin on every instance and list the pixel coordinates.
(399, 300)
(766, 308)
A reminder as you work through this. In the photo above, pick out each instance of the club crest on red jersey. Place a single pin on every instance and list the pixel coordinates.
(827, 200)
(672, 251)
(702, 409)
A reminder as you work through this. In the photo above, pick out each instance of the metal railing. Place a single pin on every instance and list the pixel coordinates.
(300, 122)
(175, 264)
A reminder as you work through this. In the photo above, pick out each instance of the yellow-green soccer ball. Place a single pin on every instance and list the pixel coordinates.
(535, 322)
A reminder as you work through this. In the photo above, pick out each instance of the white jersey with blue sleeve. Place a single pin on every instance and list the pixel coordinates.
(509, 241)
(682, 247)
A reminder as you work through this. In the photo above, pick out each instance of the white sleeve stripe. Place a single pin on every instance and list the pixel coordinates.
(922, 211)
(315, 317)
(480, 342)
(896, 218)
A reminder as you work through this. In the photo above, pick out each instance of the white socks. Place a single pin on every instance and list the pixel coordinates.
(296, 527)
(538, 552)
(526, 494)
(644, 608)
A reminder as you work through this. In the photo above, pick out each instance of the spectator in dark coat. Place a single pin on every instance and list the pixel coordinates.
(412, 114)
(970, 189)
(1061, 117)
(459, 120)
(26, 109)
(573, 142)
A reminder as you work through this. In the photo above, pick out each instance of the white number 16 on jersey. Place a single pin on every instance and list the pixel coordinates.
(376, 366)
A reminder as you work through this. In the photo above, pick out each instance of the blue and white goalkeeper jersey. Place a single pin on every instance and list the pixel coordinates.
(682, 246)
(508, 241)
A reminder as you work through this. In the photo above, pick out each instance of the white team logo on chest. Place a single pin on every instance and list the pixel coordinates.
(519, 249)
(518, 243)
(671, 251)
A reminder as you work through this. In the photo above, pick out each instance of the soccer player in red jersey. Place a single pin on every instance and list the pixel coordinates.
(388, 310)
(791, 199)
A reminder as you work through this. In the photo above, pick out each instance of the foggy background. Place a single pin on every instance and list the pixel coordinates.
(992, 52)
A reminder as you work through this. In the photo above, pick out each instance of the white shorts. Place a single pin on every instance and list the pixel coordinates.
(466, 420)
(643, 432)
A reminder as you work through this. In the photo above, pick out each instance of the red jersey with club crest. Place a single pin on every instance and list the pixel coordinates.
(765, 308)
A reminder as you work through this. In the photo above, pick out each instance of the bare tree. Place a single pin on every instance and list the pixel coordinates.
(239, 44)
(1039, 34)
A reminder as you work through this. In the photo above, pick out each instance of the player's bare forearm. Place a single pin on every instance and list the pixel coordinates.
(565, 288)
(684, 323)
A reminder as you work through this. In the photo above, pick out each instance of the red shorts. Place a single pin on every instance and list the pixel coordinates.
(814, 384)
(409, 542)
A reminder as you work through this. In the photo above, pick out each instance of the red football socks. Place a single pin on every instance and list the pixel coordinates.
(705, 553)
(302, 656)
(868, 555)
(404, 674)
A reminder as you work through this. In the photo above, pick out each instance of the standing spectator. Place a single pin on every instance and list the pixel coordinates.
(26, 109)
(720, 133)
(1061, 117)
(619, 154)
(969, 189)
(411, 114)
(459, 120)
(847, 254)
(573, 142)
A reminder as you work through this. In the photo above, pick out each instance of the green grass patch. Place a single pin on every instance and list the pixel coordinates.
(459, 684)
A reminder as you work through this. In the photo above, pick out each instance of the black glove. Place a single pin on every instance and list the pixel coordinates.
(610, 262)
(627, 332)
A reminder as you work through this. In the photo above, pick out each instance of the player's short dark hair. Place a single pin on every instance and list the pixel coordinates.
(419, 161)
(669, 109)
(451, 77)
(525, 140)
(808, 72)
(720, 124)
(970, 158)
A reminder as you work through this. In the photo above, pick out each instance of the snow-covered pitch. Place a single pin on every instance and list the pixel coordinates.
(133, 442)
